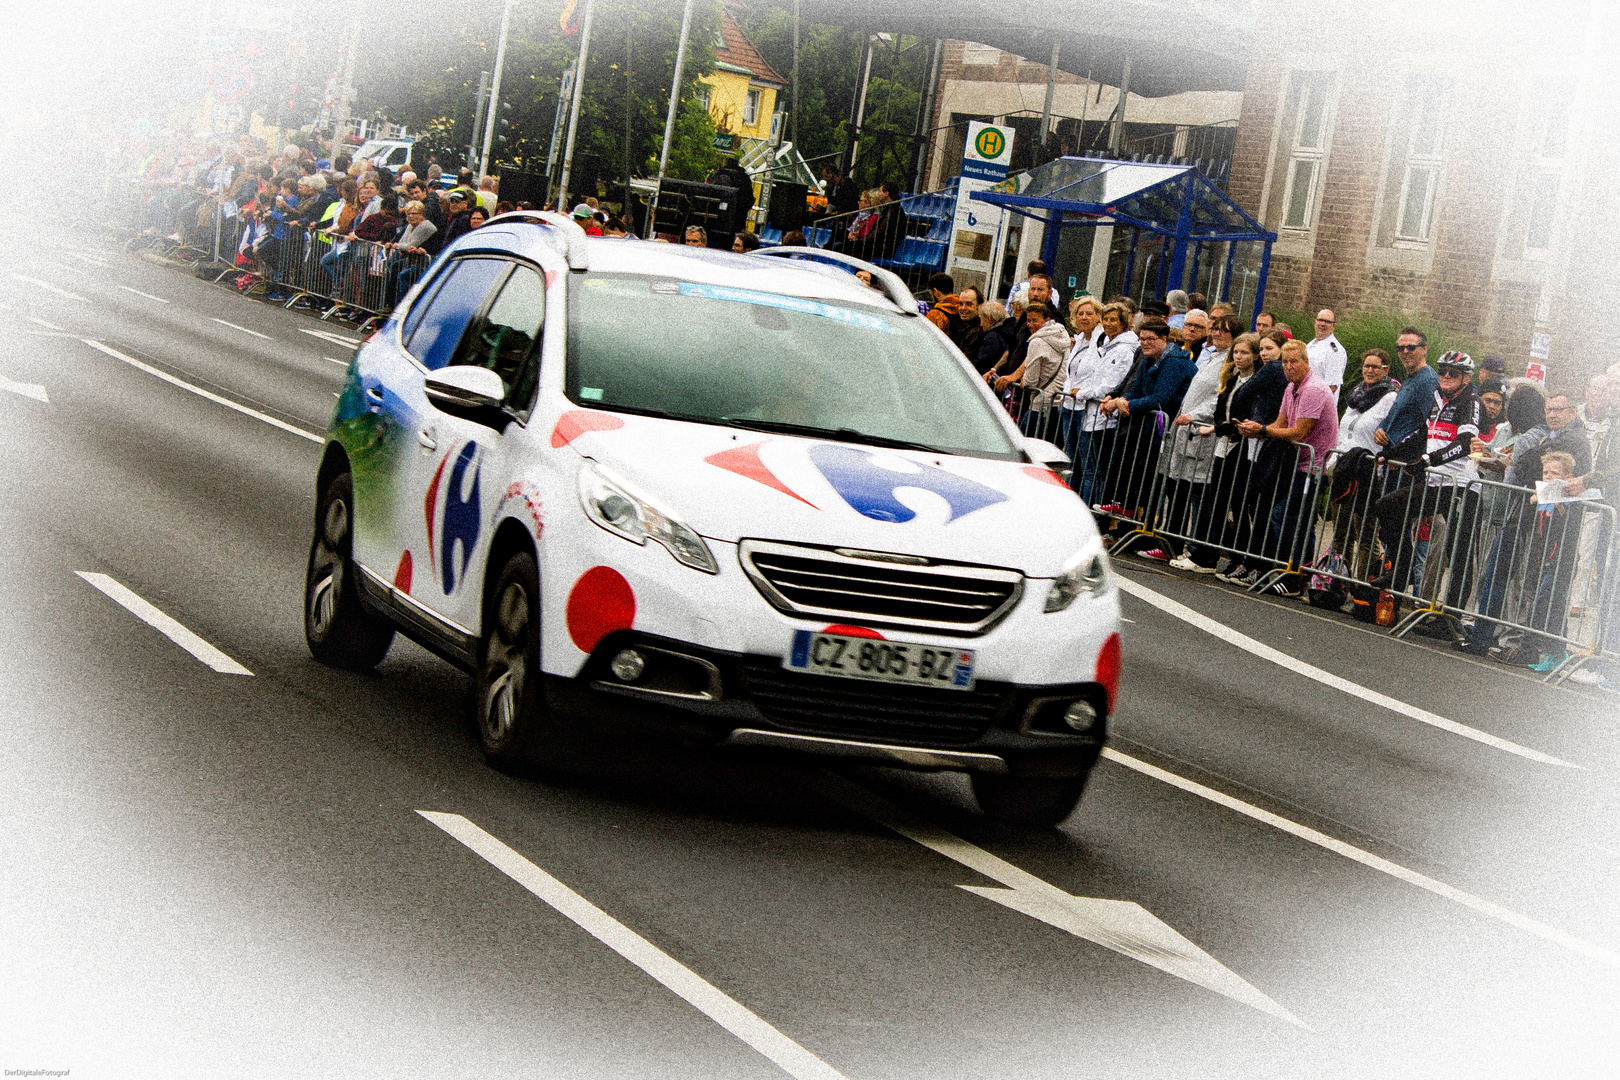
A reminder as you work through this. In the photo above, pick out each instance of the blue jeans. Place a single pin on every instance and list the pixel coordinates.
(1294, 507)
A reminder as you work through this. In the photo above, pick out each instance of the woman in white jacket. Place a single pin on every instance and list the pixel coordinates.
(1042, 372)
(1097, 374)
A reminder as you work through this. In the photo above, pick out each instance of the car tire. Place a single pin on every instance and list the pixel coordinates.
(515, 729)
(1028, 800)
(338, 628)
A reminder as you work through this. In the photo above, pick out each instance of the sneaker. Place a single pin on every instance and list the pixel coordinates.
(1514, 655)
(1287, 585)
(1472, 647)
(1246, 580)
(1156, 554)
(1236, 570)
(1182, 562)
(1549, 663)
(1110, 508)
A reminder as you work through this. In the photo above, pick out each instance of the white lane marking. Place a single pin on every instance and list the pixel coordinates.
(685, 983)
(1327, 678)
(1120, 925)
(69, 269)
(244, 329)
(148, 295)
(327, 335)
(1368, 859)
(340, 363)
(42, 322)
(48, 287)
(169, 628)
(200, 392)
(27, 390)
(84, 258)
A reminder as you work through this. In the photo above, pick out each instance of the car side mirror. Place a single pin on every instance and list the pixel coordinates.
(1049, 454)
(473, 393)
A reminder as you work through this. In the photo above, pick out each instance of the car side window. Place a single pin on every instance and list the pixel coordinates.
(452, 306)
(507, 339)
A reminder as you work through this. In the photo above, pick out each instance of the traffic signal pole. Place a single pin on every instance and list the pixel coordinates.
(495, 87)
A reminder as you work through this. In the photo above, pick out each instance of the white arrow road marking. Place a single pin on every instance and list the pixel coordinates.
(200, 392)
(1367, 858)
(327, 335)
(27, 390)
(148, 295)
(168, 627)
(1327, 678)
(48, 287)
(685, 983)
(244, 329)
(1121, 925)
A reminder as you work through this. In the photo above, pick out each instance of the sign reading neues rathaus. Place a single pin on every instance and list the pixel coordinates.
(977, 232)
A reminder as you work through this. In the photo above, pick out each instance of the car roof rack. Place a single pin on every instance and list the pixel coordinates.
(886, 280)
(573, 236)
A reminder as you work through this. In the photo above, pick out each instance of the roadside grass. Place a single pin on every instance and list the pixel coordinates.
(1359, 331)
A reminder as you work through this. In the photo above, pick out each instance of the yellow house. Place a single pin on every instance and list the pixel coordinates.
(741, 93)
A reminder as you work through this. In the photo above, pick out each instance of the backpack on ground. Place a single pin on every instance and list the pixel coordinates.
(1324, 589)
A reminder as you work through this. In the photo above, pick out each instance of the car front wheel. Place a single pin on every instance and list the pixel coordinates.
(339, 630)
(514, 728)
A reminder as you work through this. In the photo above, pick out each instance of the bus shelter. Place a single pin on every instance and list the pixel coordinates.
(1186, 230)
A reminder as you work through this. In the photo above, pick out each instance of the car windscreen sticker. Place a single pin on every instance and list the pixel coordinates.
(868, 482)
(865, 320)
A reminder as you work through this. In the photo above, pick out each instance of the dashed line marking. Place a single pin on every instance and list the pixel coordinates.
(27, 390)
(48, 287)
(84, 258)
(165, 625)
(244, 329)
(681, 980)
(1368, 859)
(42, 322)
(200, 392)
(148, 295)
(339, 363)
(327, 335)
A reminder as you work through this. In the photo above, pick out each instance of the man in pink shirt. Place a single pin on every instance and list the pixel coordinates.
(1310, 416)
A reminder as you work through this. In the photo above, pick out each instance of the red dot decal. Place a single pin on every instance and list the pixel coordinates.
(402, 572)
(576, 422)
(1108, 665)
(600, 602)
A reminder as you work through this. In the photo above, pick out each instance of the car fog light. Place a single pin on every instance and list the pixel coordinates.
(1080, 715)
(628, 665)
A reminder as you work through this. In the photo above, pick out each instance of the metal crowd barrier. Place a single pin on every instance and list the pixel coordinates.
(358, 280)
(1479, 555)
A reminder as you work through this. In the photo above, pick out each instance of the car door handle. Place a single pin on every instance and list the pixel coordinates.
(424, 439)
(374, 396)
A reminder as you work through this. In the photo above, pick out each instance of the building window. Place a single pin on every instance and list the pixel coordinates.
(703, 96)
(751, 109)
(1543, 204)
(1422, 166)
(1309, 143)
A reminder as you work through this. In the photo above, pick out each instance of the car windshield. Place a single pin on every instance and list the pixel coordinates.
(753, 359)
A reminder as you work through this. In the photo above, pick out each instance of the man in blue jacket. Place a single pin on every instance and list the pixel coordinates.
(1158, 380)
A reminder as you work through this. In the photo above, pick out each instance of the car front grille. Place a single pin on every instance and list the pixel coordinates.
(854, 708)
(874, 588)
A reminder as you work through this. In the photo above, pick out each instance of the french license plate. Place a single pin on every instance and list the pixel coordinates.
(883, 661)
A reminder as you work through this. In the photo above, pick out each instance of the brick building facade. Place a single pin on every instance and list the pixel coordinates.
(1440, 170)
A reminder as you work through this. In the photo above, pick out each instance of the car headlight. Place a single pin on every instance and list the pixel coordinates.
(615, 505)
(1087, 571)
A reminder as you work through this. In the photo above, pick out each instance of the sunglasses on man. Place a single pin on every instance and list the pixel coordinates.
(1452, 369)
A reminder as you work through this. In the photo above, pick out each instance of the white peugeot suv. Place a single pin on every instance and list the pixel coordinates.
(745, 499)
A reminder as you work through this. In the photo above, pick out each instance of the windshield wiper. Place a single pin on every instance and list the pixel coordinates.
(842, 434)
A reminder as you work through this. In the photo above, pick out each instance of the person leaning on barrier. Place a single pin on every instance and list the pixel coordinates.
(1096, 375)
(967, 338)
(999, 331)
(1247, 486)
(1352, 466)
(1161, 374)
(1188, 458)
(409, 256)
(1042, 370)
(459, 222)
(1084, 320)
(1410, 412)
(1309, 415)
(1438, 454)
(1202, 555)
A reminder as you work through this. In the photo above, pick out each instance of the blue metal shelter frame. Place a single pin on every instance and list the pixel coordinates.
(1175, 202)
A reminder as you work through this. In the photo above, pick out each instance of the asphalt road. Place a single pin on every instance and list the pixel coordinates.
(215, 874)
